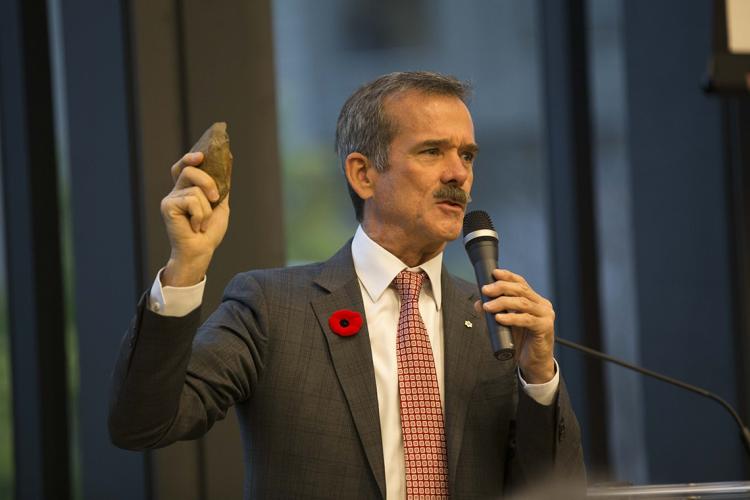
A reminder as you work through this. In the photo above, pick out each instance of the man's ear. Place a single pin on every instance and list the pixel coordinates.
(361, 174)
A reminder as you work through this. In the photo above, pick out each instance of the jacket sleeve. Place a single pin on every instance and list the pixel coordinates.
(545, 451)
(173, 379)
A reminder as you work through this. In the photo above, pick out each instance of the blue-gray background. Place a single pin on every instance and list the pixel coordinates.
(667, 270)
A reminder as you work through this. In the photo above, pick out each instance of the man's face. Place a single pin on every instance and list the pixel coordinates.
(432, 153)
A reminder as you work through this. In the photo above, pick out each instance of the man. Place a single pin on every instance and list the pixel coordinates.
(411, 403)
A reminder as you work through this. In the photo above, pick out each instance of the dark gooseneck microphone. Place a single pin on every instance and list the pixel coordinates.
(744, 431)
(481, 242)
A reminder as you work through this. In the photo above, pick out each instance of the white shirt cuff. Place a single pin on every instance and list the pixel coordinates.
(175, 300)
(544, 394)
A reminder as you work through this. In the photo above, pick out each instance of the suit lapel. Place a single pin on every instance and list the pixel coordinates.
(352, 356)
(462, 356)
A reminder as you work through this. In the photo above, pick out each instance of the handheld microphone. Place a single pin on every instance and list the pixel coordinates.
(481, 242)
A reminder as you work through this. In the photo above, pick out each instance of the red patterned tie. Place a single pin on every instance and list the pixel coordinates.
(425, 455)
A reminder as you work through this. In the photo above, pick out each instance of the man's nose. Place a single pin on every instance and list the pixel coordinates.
(456, 170)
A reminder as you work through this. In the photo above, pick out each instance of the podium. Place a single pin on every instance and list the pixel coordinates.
(723, 490)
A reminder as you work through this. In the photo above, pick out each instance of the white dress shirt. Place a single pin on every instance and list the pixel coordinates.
(375, 268)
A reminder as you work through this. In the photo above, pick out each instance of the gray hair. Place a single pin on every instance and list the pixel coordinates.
(364, 126)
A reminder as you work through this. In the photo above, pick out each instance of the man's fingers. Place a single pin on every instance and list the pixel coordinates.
(510, 283)
(205, 206)
(189, 160)
(198, 193)
(190, 207)
(499, 288)
(517, 304)
(524, 320)
(530, 323)
(224, 205)
(191, 203)
(505, 275)
(191, 176)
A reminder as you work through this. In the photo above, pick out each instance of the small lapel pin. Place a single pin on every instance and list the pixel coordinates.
(468, 324)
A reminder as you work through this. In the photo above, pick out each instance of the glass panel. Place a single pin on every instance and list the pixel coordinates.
(615, 238)
(66, 238)
(326, 49)
(6, 396)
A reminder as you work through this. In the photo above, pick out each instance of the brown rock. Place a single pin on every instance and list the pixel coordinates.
(217, 158)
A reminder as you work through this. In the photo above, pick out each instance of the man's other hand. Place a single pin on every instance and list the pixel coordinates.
(532, 321)
(194, 229)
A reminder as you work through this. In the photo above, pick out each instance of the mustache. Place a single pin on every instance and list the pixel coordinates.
(453, 194)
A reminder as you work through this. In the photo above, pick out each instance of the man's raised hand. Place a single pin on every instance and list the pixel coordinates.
(194, 229)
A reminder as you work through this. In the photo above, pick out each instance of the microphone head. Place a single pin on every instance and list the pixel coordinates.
(477, 224)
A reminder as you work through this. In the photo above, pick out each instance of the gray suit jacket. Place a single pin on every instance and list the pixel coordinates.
(306, 397)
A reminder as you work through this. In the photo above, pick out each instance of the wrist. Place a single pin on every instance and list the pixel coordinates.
(540, 374)
(181, 272)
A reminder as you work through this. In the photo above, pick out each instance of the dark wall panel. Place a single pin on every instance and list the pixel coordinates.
(682, 237)
(574, 253)
(106, 232)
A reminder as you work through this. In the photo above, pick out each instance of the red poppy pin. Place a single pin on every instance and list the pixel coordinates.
(345, 323)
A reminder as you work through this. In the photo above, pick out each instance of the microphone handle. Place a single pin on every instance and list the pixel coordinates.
(500, 335)
(744, 432)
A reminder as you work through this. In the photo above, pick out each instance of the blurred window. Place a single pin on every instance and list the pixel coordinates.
(62, 149)
(6, 395)
(326, 49)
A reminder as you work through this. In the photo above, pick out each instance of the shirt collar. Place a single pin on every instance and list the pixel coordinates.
(376, 267)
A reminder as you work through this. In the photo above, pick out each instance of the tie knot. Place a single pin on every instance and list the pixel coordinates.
(409, 284)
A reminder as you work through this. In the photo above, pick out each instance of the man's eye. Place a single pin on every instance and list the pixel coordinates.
(431, 151)
(468, 156)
